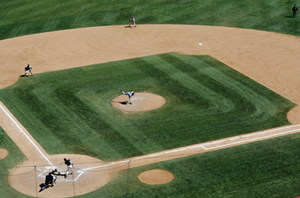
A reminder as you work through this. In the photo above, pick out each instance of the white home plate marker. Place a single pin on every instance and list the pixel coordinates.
(200, 43)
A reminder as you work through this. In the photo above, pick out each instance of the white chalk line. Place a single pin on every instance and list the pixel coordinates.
(24, 133)
(79, 175)
(44, 172)
(253, 134)
(253, 139)
(203, 146)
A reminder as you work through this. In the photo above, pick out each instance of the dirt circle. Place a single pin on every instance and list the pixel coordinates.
(3, 153)
(27, 176)
(294, 115)
(156, 176)
(140, 102)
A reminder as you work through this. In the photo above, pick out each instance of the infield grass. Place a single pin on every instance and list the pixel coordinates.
(22, 17)
(206, 100)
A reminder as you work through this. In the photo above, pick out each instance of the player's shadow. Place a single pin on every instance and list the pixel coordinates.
(127, 26)
(22, 76)
(123, 102)
(43, 186)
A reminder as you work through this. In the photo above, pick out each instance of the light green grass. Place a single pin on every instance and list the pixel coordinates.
(22, 17)
(206, 100)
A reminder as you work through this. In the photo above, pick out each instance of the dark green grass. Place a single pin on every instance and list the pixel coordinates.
(14, 158)
(22, 17)
(206, 100)
(266, 169)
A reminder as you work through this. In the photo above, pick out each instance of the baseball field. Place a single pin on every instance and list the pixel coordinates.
(214, 112)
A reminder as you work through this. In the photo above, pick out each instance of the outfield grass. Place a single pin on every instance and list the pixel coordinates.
(22, 17)
(14, 158)
(266, 169)
(206, 100)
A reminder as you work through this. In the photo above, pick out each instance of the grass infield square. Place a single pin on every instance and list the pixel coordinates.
(206, 100)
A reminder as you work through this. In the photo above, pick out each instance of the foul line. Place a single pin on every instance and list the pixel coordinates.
(24, 133)
(253, 139)
(206, 144)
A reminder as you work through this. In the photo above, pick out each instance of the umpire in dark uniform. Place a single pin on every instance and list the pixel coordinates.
(295, 11)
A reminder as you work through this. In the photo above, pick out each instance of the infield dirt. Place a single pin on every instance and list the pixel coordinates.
(3, 153)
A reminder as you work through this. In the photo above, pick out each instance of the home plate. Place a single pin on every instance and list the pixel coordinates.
(200, 43)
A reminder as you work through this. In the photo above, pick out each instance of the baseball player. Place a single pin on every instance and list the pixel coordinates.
(69, 165)
(132, 21)
(58, 173)
(129, 94)
(49, 182)
(28, 69)
(295, 11)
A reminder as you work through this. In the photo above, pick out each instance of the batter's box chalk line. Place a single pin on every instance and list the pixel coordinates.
(70, 178)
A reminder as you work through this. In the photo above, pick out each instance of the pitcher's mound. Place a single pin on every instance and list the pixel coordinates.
(156, 176)
(3, 153)
(140, 102)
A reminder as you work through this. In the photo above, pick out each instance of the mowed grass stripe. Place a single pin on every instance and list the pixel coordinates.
(88, 130)
(130, 131)
(96, 122)
(237, 96)
(229, 87)
(99, 96)
(243, 92)
(76, 126)
(48, 116)
(250, 98)
(259, 96)
(195, 71)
